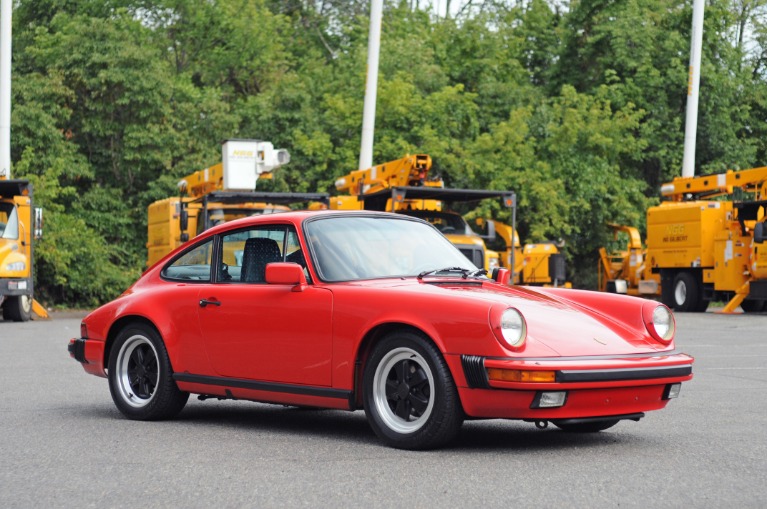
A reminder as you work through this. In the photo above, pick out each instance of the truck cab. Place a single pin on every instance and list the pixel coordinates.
(16, 235)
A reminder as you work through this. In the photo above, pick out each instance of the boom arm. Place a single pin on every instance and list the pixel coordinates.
(709, 186)
(408, 171)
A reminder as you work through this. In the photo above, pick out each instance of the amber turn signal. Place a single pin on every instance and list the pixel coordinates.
(521, 375)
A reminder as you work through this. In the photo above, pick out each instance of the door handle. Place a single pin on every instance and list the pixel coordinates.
(205, 302)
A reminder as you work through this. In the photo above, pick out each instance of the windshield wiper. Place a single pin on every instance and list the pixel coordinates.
(478, 272)
(464, 272)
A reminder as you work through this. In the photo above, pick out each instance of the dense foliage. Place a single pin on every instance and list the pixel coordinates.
(578, 106)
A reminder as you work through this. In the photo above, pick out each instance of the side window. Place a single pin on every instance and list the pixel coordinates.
(245, 253)
(9, 221)
(194, 264)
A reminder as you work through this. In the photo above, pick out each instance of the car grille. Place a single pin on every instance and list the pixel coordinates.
(474, 370)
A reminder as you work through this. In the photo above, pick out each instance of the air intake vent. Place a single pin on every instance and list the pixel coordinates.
(474, 370)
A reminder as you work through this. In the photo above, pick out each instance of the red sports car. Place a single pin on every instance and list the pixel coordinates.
(374, 311)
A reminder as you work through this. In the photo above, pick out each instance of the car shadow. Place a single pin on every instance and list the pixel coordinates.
(521, 437)
(281, 419)
(352, 427)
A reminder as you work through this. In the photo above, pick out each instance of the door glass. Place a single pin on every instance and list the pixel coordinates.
(245, 253)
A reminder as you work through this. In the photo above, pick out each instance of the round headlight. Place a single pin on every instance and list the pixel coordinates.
(513, 328)
(660, 322)
(663, 322)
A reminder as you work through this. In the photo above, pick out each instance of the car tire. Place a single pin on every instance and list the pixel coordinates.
(409, 396)
(586, 427)
(18, 308)
(140, 376)
(687, 294)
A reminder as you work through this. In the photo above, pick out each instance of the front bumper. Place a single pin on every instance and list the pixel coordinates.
(10, 287)
(89, 353)
(595, 386)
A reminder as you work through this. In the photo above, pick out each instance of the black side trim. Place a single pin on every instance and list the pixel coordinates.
(474, 370)
(601, 375)
(320, 392)
(77, 350)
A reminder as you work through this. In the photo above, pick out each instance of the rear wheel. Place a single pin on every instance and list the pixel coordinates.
(18, 309)
(585, 427)
(140, 376)
(410, 399)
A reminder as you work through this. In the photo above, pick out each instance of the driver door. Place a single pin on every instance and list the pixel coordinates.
(257, 331)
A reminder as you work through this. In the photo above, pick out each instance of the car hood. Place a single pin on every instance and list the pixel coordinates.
(564, 326)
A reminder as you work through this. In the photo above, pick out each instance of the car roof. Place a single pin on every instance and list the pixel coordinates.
(296, 217)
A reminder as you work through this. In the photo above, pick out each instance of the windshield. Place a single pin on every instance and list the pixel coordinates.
(9, 221)
(353, 248)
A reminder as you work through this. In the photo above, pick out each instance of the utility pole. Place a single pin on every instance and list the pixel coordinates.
(6, 8)
(693, 86)
(371, 86)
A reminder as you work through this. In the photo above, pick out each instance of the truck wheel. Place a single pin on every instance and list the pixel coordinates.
(140, 376)
(752, 306)
(410, 398)
(687, 294)
(18, 309)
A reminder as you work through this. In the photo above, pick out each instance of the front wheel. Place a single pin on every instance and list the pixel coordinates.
(140, 378)
(410, 399)
(17, 309)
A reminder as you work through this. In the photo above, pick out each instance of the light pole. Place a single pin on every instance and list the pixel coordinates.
(693, 86)
(371, 85)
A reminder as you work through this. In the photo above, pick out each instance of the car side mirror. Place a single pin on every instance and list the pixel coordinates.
(286, 273)
(760, 233)
(501, 275)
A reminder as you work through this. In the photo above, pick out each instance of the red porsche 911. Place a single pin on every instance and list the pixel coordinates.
(375, 311)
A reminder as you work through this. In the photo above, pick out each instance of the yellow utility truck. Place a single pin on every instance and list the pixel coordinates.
(220, 193)
(707, 241)
(404, 186)
(20, 225)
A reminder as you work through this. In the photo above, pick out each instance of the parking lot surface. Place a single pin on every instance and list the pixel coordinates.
(63, 443)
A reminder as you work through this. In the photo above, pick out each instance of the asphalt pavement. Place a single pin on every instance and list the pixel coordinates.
(63, 444)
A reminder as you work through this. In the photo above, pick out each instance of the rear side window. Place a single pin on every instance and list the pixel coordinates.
(192, 265)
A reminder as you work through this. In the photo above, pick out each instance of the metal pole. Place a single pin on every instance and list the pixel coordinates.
(6, 9)
(693, 85)
(513, 238)
(371, 85)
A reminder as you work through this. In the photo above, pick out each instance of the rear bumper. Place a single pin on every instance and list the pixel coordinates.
(593, 386)
(89, 353)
